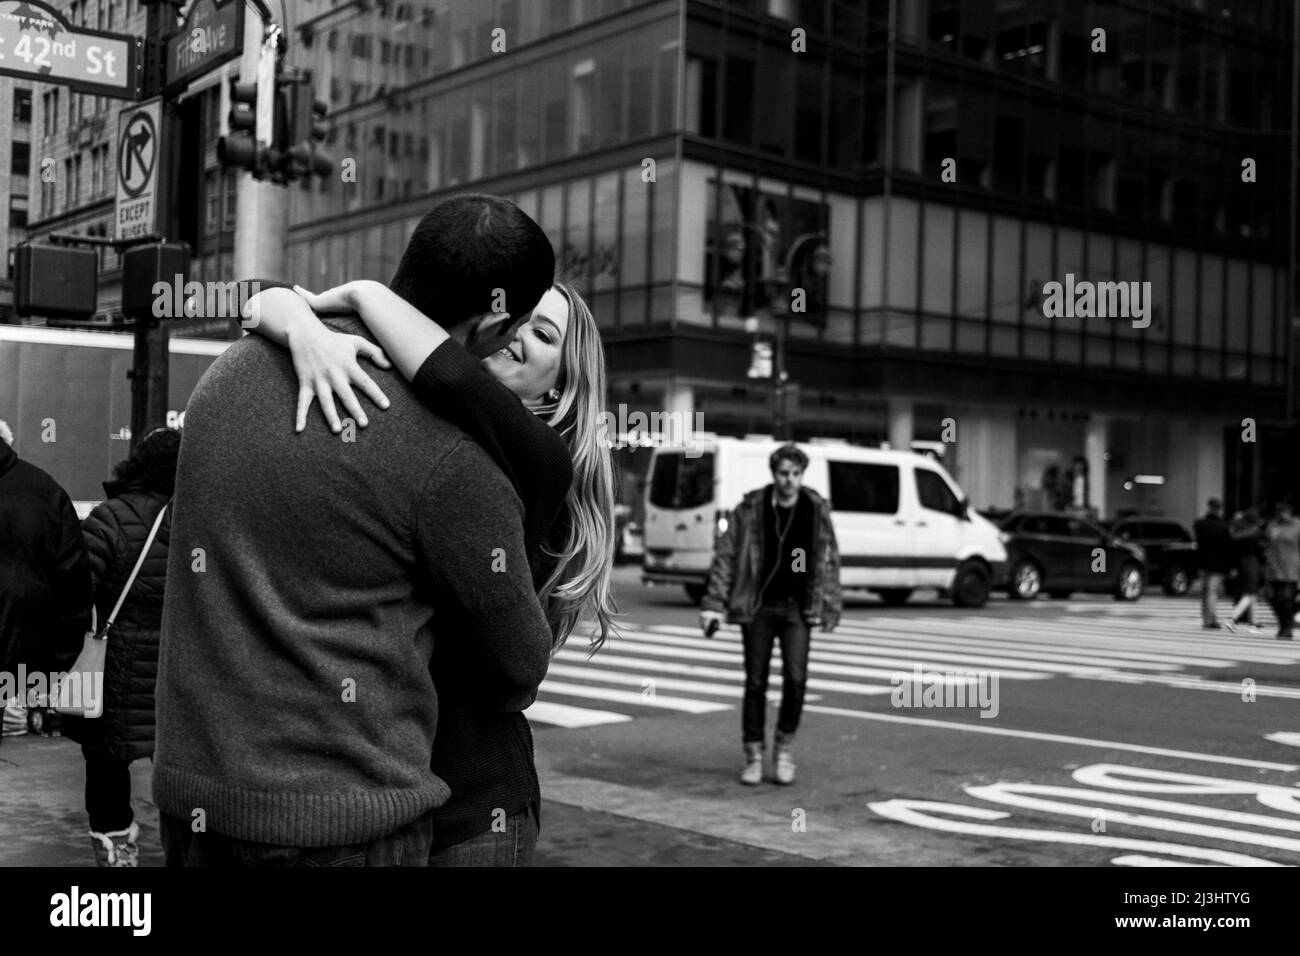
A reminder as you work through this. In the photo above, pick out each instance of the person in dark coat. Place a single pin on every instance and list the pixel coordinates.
(1245, 530)
(115, 534)
(44, 577)
(1213, 557)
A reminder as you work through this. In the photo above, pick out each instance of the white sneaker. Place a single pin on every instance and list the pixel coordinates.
(783, 765)
(752, 774)
(117, 849)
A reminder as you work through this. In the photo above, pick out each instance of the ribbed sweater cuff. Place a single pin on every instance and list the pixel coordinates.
(296, 819)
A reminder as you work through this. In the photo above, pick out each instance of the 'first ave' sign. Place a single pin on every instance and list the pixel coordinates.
(37, 43)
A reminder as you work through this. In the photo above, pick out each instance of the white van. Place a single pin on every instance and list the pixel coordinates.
(900, 521)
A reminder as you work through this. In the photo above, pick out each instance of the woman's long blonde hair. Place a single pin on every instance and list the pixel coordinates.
(579, 584)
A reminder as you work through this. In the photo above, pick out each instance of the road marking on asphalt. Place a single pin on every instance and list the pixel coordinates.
(646, 684)
(1284, 737)
(562, 715)
(610, 660)
(1054, 738)
(918, 813)
(659, 701)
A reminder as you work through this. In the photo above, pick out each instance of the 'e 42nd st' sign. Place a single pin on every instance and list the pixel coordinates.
(38, 43)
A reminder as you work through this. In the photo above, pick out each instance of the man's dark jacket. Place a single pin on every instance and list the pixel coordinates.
(1214, 548)
(44, 576)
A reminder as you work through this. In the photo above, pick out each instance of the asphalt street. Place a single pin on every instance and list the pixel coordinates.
(1114, 733)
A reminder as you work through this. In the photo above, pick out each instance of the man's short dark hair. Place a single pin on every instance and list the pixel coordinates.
(788, 453)
(464, 250)
(1214, 504)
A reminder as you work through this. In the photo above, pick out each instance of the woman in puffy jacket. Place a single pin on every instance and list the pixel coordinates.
(115, 534)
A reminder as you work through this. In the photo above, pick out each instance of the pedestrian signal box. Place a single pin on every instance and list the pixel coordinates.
(55, 281)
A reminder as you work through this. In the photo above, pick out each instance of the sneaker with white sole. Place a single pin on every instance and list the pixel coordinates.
(752, 774)
(117, 849)
(783, 765)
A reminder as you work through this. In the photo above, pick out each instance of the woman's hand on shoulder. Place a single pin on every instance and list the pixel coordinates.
(326, 363)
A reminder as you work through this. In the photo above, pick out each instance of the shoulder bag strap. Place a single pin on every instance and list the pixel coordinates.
(121, 598)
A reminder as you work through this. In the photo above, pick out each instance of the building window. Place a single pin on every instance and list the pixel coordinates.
(360, 45)
(22, 105)
(69, 184)
(20, 159)
(96, 173)
(17, 212)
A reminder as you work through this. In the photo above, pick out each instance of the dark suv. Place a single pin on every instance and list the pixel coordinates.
(1057, 553)
(1170, 547)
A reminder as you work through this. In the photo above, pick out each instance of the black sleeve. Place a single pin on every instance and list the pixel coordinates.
(530, 453)
(70, 589)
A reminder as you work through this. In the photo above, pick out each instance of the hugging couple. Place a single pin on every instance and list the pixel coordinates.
(357, 613)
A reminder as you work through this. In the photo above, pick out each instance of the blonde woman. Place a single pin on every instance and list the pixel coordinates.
(550, 376)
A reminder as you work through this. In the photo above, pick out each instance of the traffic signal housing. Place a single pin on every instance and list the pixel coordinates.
(309, 130)
(55, 281)
(239, 148)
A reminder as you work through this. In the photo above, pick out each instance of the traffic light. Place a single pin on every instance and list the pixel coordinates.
(239, 148)
(55, 281)
(307, 128)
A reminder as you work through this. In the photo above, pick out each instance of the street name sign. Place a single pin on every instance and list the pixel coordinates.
(213, 33)
(137, 169)
(37, 43)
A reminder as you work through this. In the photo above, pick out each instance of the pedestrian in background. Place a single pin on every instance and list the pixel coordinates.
(776, 573)
(44, 577)
(1213, 557)
(1282, 566)
(116, 533)
(1245, 532)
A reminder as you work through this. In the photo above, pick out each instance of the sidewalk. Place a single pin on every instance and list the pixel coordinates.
(43, 822)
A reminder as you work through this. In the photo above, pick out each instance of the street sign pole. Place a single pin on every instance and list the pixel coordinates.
(150, 368)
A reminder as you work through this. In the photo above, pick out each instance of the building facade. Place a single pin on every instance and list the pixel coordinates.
(884, 191)
(955, 161)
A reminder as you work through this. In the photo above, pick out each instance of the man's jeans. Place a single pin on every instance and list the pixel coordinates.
(513, 846)
(771, 623)
(1211, 585)
(408, 846)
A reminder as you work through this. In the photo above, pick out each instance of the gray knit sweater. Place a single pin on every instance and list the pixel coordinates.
(295, 703)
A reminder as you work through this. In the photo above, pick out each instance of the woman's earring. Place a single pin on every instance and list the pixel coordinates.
(553, 394)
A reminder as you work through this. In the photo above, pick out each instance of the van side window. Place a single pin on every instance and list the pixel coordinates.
(860, 487)
(933, 493)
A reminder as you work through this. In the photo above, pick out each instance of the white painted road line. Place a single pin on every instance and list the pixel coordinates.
(562, 715)
(1054, 738)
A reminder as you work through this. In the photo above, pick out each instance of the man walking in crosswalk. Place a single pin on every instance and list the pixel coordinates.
(776, 573)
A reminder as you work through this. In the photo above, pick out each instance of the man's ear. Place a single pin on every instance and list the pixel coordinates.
(491, 331)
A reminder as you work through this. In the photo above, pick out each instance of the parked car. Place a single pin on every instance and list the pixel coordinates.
(900, 521)
(1057, 553)
(1170, 547)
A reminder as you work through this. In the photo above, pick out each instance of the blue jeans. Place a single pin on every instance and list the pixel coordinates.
(513, 846)
(783, 622)
(408, 846)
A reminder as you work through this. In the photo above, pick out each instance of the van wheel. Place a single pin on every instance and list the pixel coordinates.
(695, 592)
(971, 586)
(894, 597)
(1026, 581)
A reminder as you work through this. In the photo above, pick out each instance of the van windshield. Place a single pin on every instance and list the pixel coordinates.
(679, 482)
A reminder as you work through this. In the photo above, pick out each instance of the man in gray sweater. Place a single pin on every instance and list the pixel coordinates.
(296, 710)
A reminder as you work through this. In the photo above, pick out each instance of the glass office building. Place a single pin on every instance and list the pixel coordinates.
(948, 160)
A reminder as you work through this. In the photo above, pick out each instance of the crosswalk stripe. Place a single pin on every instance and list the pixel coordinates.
(562, 715)
(737, 676)
(661, 701)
